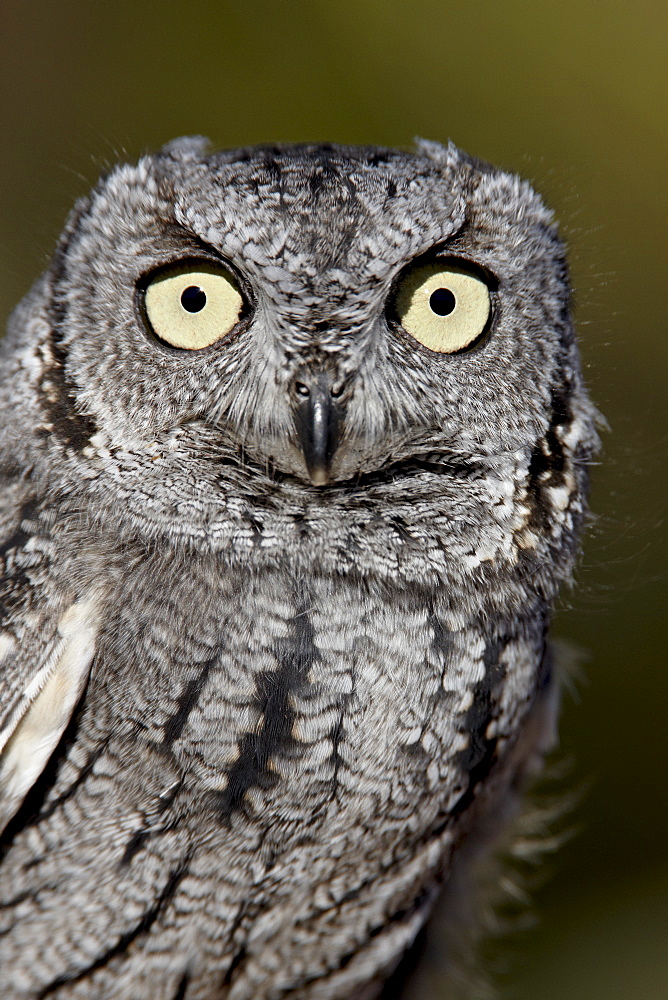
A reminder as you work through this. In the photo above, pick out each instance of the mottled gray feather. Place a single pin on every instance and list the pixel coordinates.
(303, 700)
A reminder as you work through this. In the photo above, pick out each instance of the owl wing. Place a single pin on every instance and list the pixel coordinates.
(47, 643)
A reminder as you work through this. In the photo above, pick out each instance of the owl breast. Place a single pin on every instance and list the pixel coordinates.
(312, 752)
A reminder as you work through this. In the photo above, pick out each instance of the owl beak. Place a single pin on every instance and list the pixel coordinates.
(318, 421)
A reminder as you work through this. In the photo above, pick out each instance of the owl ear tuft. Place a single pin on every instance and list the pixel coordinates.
(450, 157)
(446, 156)
(187, 148)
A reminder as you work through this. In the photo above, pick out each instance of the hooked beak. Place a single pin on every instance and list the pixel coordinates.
(318, 421)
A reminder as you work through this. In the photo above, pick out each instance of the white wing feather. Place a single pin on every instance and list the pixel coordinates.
(42, 713)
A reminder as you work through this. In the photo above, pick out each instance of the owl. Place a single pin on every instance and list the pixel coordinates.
(293, 461)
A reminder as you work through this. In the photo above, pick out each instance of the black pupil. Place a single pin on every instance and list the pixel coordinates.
(193, 299)
(442, 301)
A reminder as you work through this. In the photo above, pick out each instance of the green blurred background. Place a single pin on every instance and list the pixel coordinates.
(572, 95)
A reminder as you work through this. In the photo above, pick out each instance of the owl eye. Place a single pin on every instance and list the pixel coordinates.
(445, 307)
(193, 305)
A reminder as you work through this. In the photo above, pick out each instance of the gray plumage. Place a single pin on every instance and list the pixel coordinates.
(274, 610)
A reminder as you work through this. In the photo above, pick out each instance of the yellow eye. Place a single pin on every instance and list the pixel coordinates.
(443, 306)
(193, 305)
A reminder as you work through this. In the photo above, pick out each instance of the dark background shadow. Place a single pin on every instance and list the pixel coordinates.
(571, 95)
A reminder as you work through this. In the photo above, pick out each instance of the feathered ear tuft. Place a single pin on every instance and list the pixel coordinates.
(446, 156)
(187, 149)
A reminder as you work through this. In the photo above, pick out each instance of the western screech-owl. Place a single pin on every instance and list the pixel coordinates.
(294, 457)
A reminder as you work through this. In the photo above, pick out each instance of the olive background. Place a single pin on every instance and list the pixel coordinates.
(571, 95)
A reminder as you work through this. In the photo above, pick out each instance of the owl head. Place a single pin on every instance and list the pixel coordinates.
(303, 325)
